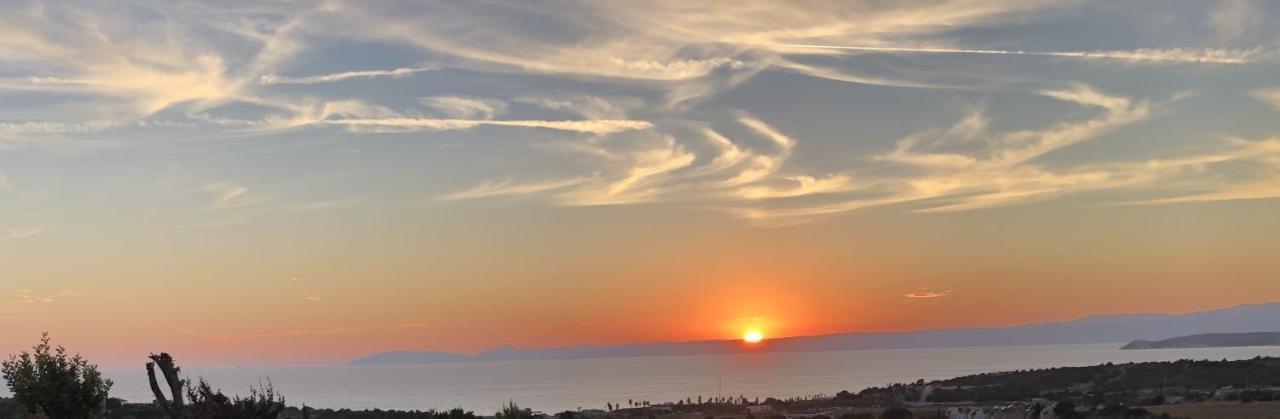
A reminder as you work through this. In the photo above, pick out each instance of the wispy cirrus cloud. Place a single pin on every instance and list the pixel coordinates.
(1002, 173)
(599, 126)
(93, 58)
(508, 187)
(271, 79)
(32, 297)
(798, 186)
(1270, 96)
(16, 233)
(636, 90)
(640, 182)
(19, 129)
(1153, 55)
(657, 166)
(924, 293)
(1263, 154)
(465, 107)
(1235, 18)
(226, 194)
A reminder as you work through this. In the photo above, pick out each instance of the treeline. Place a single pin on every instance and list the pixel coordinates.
(1199, 376)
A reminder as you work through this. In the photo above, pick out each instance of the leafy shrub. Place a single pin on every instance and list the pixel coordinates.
(48, 382)
(205, 402)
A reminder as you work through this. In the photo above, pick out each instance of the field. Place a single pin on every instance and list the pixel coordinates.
(1221, 409)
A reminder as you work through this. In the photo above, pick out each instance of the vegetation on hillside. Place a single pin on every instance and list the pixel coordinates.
(1106, 381)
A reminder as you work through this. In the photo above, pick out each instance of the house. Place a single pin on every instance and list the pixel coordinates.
(1010, 411)
(966, 412)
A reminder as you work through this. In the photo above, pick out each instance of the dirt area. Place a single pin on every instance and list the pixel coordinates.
(1216, 409)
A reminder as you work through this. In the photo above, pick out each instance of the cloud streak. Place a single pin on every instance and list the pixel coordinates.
(226, 194)
(508, 187)
(926, 294)
(599, 127)
(30, 297)
(1270, 96)
(17, 233)
(1003, 172)
(343, 76)
(1155, 55)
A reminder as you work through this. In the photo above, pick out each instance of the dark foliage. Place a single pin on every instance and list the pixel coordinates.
(47, 381)
(205, 402)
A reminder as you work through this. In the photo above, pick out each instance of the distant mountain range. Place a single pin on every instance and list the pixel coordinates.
(1210, 340)
(1092, 329)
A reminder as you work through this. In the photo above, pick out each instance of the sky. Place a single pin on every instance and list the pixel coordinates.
(297, 182)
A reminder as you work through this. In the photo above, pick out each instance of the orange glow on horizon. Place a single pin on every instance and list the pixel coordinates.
(753, 336)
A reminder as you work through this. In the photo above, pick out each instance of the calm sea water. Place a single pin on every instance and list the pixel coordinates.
(553, 386)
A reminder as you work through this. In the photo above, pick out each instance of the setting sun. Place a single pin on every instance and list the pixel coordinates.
(752, 336)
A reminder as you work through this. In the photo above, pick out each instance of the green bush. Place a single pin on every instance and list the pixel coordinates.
(48, 382)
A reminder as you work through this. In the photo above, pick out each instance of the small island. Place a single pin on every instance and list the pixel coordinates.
(1209, 340)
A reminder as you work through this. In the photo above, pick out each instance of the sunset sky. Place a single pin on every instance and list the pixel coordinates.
(249, 182)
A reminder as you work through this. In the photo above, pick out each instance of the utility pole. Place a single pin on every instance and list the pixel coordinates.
(720, 385)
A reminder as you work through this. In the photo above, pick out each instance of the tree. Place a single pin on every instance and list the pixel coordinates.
(513, 411)
(172, 405)
(205, 402)
(1065, 409)
(48, 382)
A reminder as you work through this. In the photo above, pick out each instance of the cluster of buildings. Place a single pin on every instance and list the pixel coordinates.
(1009, 411)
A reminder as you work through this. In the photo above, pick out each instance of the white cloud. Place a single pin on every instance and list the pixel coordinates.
(730, 154)
(586, 106)
(799, 186)
(1001, 174)
(508, 187)
(465, 107)
(1154, 55)
(348, 75)
(1270, 96)
(637, 184)
(15, 233)
(600, 127)
(226, 194)
(20, 129)
(926, 293)
(30, 297)
(1264, 154)
(652, 70)
(26, 297)
(1019, 147)
(758, 166)
(1235, 18)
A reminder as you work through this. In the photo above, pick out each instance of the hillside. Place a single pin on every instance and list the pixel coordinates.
(1119, 380)
(1210, 340)
(1092, 329)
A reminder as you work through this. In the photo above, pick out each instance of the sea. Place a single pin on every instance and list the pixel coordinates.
(556, 385)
